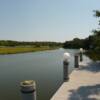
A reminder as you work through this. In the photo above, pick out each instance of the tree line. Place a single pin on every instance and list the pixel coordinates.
(11, 43)
(92, 42)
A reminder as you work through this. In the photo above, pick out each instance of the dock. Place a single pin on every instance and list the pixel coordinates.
(83, 84)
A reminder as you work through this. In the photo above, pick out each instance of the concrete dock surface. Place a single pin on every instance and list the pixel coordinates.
(84, 84)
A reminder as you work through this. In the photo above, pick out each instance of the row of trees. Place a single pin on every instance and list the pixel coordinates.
(34, 44)
(91, 42)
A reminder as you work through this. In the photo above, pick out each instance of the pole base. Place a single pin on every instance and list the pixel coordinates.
(66, 79)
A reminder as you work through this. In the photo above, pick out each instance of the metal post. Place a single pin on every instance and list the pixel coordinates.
(81, 56)
(28, 90)
(65, 70)
(65, 66)
(76, 61)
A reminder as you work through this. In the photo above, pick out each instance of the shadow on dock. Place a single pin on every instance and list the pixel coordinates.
(86, 93)
(92, 67)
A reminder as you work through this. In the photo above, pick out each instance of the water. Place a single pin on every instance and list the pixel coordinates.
(45, 67)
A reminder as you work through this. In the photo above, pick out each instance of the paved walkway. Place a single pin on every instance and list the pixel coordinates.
(84, 84)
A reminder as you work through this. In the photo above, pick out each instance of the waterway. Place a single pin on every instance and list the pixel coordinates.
(45, 67)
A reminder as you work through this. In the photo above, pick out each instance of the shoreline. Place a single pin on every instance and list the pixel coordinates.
(94, 55)
(19, 50)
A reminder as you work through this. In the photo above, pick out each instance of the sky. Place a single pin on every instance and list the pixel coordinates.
(47, 20)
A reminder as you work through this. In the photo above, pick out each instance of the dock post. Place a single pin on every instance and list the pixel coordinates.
(28, 90)
(81, 57)
(76, 61)
(65, 66)
(65, 70)
(81, 54)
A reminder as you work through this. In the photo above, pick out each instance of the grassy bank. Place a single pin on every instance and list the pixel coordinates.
(14, 50)
(94, 55)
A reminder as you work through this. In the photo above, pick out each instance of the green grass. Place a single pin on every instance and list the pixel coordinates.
(14, 50)
(94, 55)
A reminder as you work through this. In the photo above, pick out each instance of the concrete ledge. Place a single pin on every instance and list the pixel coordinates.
(84, 84)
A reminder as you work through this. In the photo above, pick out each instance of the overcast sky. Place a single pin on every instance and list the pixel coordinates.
(47, 20)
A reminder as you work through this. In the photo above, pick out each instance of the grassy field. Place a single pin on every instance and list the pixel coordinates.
(14, 50)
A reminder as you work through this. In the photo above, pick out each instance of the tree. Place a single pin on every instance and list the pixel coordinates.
(96, 32)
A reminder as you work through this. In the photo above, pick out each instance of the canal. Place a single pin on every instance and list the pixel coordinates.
(45, 67)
